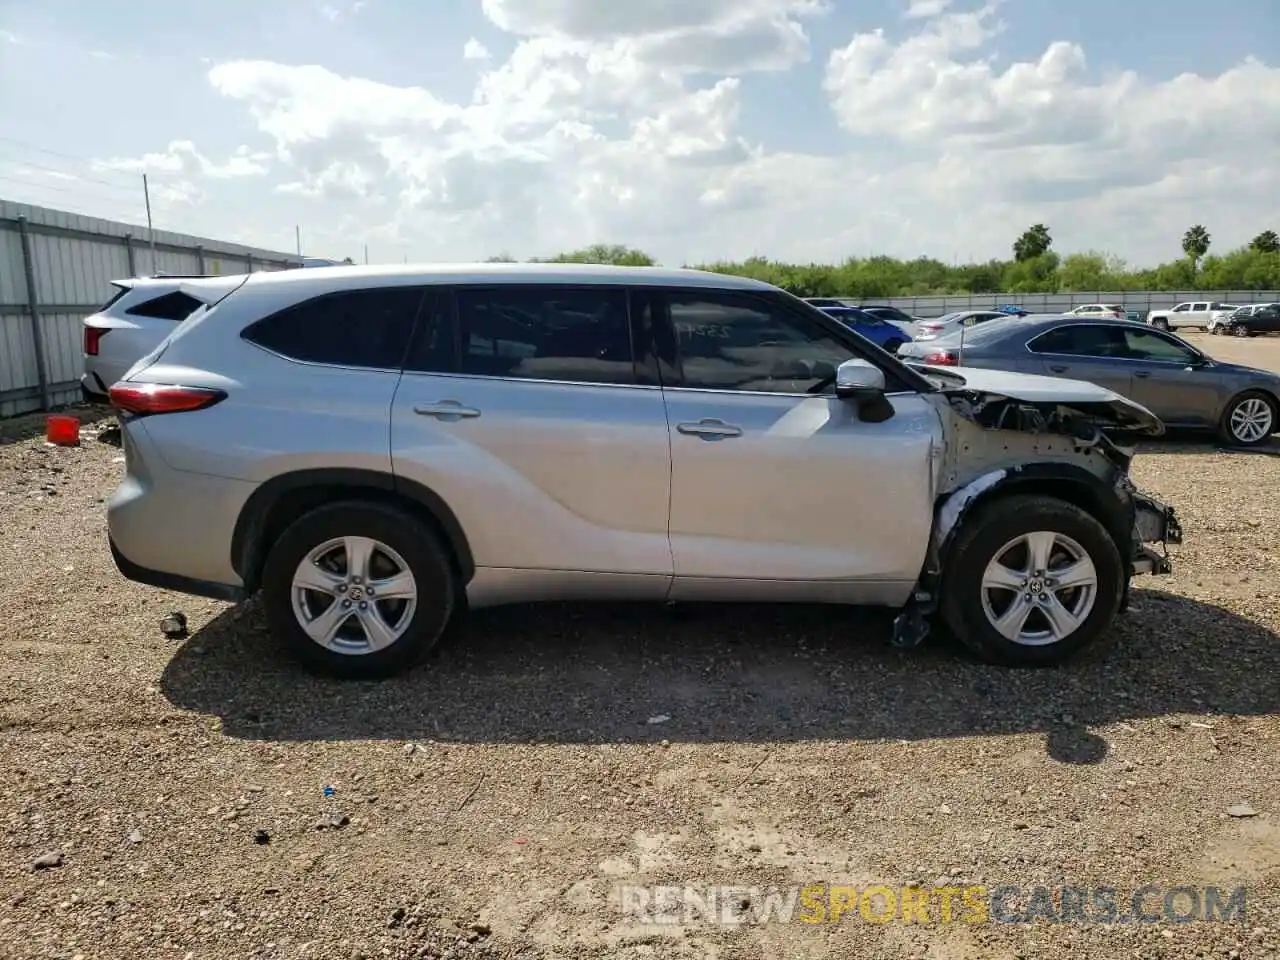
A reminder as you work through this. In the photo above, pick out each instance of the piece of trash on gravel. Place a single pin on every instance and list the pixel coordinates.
(1241, 810)
(328, 791)
(659, 718)
(261, 837)
(135, 836)
(333, 821)
(47, 861)
(174, 624)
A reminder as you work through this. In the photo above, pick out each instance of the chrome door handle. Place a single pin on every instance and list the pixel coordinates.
(709, 429)
(1058, 368)
(1142, 373)
(446, 410)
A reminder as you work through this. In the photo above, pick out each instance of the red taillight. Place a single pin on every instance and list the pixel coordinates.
(92, 337)
(930, 327)
(943, 358)
(144, 399)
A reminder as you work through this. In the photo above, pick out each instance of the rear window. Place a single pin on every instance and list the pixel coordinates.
(175, 306)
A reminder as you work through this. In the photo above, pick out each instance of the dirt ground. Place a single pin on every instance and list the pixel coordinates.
(203, 798)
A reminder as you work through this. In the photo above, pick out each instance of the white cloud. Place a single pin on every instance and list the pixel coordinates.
(921, 9)
(182, 157)
(7, 36)
(475, 50)
(623, 123)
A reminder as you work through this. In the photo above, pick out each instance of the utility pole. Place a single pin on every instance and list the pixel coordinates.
(366, 254)
(151, 233)
(297, 236)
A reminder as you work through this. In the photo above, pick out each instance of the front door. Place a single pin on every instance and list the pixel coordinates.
(1172, 380)
(778, 489)
(524, 412)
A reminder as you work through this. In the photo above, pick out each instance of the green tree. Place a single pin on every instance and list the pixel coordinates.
(614, 254)
(1268, 241)
(501, 258)
(1195, 244)
(1034, 242)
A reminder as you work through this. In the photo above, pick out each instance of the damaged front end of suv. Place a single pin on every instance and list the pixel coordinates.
(1015, 434)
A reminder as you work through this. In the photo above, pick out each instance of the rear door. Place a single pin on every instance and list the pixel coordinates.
(778, 491)
(1094, 352)
(525, 409)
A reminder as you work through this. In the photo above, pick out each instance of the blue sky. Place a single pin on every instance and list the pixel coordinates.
(930, 145)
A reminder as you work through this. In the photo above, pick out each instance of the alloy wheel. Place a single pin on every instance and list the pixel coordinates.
(1039, 588)
(354, 595)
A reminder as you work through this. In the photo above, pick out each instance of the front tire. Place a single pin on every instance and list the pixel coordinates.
(1248, 420)
(1160, 324)
(358, 589)
(1031, 581)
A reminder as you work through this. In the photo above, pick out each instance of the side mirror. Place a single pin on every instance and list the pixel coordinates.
(864, 384)
(858, 379)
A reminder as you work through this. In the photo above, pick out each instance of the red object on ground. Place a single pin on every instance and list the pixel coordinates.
(62, 430)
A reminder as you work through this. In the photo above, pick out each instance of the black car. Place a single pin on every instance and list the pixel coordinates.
(1260, 319)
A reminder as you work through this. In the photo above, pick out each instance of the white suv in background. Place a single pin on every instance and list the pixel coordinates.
(130, 325)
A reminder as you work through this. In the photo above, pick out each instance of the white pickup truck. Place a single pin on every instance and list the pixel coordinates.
(1193, 313)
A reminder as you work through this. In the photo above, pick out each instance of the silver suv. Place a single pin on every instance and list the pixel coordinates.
(375, 449)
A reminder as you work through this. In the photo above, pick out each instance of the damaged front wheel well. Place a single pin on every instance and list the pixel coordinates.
(1094, 498)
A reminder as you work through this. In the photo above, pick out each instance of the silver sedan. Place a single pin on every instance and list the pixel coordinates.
(950, 323)
(1171, 378)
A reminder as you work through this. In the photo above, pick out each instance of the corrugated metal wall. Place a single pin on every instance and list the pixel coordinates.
(1140, 300)
(73, 260)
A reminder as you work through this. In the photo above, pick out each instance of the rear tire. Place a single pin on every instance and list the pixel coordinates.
(1003, 535)
(1240, 331)
(1248, 420)
(341, 552)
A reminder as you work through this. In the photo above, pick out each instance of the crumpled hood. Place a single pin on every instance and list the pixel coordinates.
(1089, 399)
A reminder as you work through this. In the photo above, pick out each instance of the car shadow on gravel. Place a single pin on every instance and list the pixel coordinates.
(601, 673)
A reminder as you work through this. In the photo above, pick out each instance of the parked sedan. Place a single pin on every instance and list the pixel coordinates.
(882, 333)
(1098, 311)
(1252, 321)
(1175, 381)
(952, 322)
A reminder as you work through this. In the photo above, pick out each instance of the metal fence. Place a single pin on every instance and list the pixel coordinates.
(56, 268)
(1139, 300)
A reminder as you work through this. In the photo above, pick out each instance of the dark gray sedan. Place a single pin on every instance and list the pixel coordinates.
(1175, 381)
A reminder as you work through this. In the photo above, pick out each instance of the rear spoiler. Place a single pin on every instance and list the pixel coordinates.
(213, 290)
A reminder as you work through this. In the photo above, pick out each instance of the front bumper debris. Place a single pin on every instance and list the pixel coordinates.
(1154, 522)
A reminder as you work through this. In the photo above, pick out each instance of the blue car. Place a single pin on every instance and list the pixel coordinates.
(882, 333)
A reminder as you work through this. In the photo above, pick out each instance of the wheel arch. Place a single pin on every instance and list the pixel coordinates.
(283, 499)
(1097, 496)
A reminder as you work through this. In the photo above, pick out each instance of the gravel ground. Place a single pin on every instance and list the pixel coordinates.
(489, 804)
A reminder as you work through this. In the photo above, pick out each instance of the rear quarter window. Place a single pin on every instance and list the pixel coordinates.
(175, 306)
(352, 328)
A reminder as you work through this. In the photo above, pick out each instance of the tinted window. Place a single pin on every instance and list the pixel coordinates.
(1084, 340)
(732, 342)
(546, 333)
(120, 292)
(1147, 345)
(355, 328)
(171, 306)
